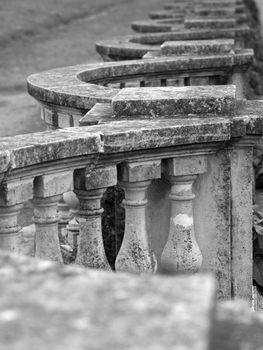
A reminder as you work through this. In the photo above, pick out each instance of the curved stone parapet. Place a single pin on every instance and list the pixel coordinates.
(135, 46)
(174, 24)
(67, 94)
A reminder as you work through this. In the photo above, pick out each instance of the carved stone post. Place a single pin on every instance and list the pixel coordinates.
(135, 254)
(48, 190)
(12, 198)
(89, 188)
(181, 252)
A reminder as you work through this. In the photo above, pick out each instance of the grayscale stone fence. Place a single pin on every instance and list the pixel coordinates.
(196, 20)
(183, 156)
(172, 127)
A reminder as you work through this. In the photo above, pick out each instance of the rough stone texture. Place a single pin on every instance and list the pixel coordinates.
(52, 185)
(17, 192)
(46, 226)
(67, 94)
(241, 223)
(24, 150)
(135, 254)
(193, 23)
(115, 137)
(181, 252)
(160, 14)
(94, 178)
(164, 25)
(164, 101)
(187, 166)
(134, 47)
(202, 47)
(145, 134)
(204, 11)
(141, 171)
(100, 113)
(47, 306)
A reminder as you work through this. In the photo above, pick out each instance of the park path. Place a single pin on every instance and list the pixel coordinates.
(67, 44)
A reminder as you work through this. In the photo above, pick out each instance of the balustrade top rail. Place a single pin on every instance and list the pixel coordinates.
(196, 20)
(82, 86)
(136, 46)
(216, 121)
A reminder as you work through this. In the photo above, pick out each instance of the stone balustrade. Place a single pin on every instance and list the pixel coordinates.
(82, 309)
(67, 94)
(137, 45)
(196, 14)
(190, 21)
(170, 149)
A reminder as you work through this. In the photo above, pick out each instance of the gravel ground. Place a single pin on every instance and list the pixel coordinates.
(53, 33)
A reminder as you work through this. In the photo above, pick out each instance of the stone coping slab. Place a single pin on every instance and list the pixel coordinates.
(191, 23)
(113, 137)
(77, 86)
(161, 14)
(47, 306)
(212, 4)
(197, 47)
(164, 25)
(170, 101)
(211, 23)
(197, 10)
(134, 47)
(118, 136)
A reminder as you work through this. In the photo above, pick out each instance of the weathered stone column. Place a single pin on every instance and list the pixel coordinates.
(181, 252)
(135, 254)
(12, 199)
(90, 186)
(48, 190)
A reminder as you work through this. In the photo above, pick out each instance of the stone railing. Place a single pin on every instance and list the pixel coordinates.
(194, 21)
(187, 151)
(82, 309)
(67, 94)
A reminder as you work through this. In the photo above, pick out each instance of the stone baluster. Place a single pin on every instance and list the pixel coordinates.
(135, 254)
(48, 190)
(181, 252)
(90, 186)
(12, 197)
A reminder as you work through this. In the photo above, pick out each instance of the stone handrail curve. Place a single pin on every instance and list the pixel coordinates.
(78, 86)
(135, 46)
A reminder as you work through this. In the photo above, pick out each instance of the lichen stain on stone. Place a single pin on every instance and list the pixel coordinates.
(181, 253)
(136, 259)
